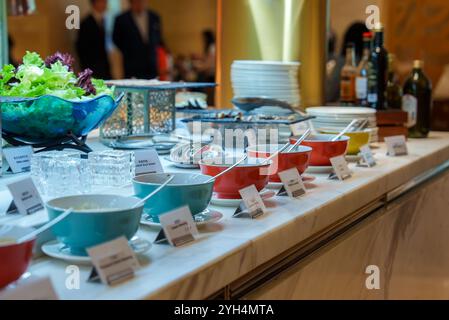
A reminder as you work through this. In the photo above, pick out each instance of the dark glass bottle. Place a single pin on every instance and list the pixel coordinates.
(417, 101)
(377, 80)
(394, 90)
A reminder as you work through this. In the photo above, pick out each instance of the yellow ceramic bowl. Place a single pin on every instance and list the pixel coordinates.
(358, 140)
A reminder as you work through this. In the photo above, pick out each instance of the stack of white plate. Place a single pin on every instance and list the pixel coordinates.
(270, 79)
(330, 119)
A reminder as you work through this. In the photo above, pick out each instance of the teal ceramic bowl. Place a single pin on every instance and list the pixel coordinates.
(186, 189)
(96, 219)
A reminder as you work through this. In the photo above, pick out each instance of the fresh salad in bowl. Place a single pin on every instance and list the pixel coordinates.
(53, 76)
(45, 100)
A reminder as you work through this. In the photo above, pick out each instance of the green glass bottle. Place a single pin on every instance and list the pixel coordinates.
(417, 102)
(394, 90)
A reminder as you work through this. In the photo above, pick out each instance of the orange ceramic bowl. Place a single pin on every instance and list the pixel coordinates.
(324, 149)
(251, 172)
(298, 158)
(14, 258)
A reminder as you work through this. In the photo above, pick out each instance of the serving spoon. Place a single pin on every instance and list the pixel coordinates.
(300, 140)
(45, 227)
(274, 155)
(148, 197)
(228, 169)
(345, 130)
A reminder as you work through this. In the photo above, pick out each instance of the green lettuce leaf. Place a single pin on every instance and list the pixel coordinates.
(34, 78)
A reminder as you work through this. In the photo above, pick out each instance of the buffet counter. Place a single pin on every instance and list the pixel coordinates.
(301, 248)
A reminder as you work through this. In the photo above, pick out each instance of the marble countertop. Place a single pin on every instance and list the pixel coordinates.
(232, 248)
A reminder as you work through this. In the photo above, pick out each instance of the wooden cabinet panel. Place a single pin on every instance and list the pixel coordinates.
(408, 241)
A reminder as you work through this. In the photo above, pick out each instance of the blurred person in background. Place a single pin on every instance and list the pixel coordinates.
(10, 52)
(205, 65)
(333, 68)
(354, 35)
(91, 42)
(165, 62)
(137, 34)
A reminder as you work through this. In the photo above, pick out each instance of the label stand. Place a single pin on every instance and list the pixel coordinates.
(282, 192)
(12, 209)
(242, 212)
(161, 238)
(94, 277)
(363, 164)
(333, 176)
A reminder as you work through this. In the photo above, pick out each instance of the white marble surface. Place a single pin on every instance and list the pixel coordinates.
(232, 248)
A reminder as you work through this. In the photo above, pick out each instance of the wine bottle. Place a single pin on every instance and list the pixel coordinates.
(361, 82)
(377, 79)
(417, 102)
(394, 90)
(347, 77)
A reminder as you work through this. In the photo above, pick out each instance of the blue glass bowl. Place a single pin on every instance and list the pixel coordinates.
(49, 117)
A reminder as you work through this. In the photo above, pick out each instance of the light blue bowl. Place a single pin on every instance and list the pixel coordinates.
(186, 189)
(96, 219)
(50, 117)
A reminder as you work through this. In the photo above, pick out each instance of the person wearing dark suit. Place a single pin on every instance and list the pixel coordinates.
(137, 34)
(91, 42)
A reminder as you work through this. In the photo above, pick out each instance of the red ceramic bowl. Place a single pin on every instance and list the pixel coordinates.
(14, 258)
(324, 149)
(251, 172)
(298, 158)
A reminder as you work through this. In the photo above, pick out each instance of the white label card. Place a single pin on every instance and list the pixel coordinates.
(341, 168)
(114, 261)
(179, 227)
(253, 201)
(410, 105)
(26, 197)
(147, 161)
(39, 289)
(293, 183)
(397, 146)
(18, 158)
(367, 156)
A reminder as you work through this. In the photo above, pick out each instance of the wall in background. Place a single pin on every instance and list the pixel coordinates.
(245, 36)
(45, 31)
(419, 29)
(183, 22)
(414, 29)
(344, 12)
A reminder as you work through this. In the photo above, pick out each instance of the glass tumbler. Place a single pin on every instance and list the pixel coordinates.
(112, 168)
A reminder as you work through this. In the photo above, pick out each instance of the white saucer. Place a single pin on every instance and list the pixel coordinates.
(323, 169)
(202, 219)
(265, 194)
(57, 250)
(183, 165)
